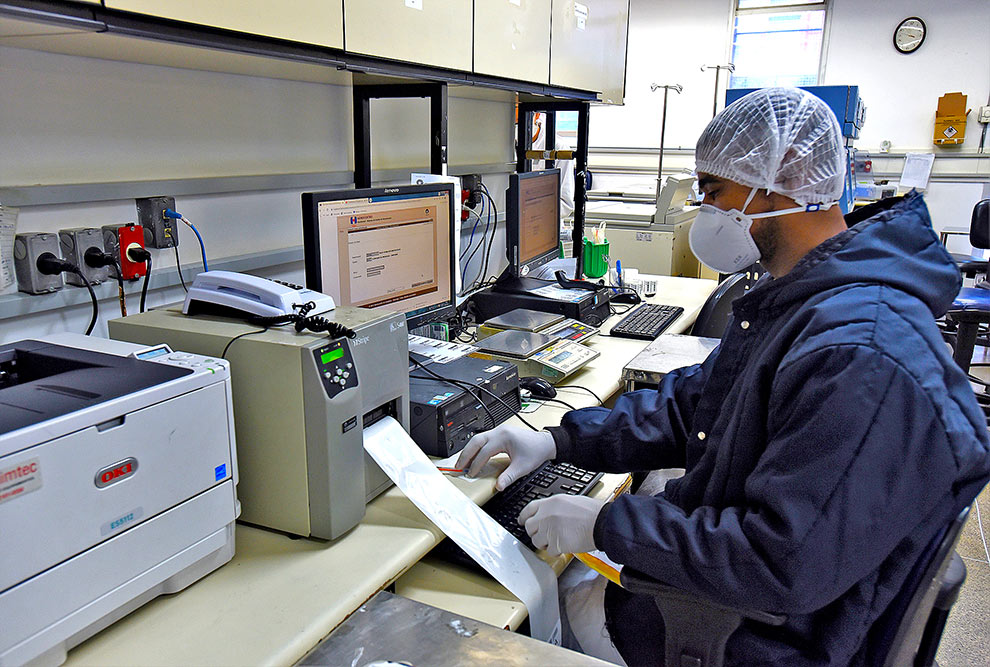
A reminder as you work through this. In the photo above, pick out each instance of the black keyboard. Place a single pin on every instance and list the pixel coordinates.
(647, 321)
(547, 480)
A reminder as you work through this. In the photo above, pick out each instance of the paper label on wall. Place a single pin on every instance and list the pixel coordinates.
(501, 555)
(414, 4)
(581, 15)
(917, 170)
(8, 227)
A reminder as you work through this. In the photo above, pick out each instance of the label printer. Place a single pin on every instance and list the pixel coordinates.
(301, 403)
(117, 484)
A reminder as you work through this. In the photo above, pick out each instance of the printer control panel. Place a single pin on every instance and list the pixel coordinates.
(336, 367)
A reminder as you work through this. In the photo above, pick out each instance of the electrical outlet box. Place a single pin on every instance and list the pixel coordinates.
(27, 248)
(984, 116)
(118, 237)
(472, 183)
(74, 243)
(159, 231)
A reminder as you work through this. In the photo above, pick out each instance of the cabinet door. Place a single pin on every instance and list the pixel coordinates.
(427, 32)
(512, 39)
(310, 21)
(588, 46)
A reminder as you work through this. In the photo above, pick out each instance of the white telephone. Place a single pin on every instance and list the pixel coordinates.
(253, 295)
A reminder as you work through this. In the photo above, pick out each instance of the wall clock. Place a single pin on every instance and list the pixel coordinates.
(910, 35)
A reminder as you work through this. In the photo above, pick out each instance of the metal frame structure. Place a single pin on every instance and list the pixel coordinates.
(524, 143)
(363, 94)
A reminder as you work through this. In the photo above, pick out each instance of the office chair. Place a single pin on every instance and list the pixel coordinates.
(714, 315)
(969, 314)
(696, 629)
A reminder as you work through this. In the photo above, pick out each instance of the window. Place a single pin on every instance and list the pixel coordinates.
(777, 43)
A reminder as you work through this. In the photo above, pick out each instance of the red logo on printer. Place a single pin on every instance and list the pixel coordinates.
(116, 472)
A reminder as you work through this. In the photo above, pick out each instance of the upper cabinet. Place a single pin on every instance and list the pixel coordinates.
(512, 39)
(427, 32)
(311, 21)
(588, 46)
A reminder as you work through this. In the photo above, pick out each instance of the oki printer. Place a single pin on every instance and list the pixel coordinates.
(117, 484)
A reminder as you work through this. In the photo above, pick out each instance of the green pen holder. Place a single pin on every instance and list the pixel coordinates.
(595, 259)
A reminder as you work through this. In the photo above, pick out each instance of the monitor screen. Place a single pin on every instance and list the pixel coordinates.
(533, 225)
(389, 248)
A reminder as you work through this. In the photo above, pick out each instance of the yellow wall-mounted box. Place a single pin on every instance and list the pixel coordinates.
(950, 119)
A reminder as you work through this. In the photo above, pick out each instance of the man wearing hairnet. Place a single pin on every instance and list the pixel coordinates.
(826, 441)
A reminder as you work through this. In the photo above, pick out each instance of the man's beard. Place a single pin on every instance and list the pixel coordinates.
(767, 238)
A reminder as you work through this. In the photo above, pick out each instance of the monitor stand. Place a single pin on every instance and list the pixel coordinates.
(511, 292)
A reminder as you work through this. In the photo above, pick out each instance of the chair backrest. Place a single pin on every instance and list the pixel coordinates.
(979, 225)
(714, 315)
(896, 635)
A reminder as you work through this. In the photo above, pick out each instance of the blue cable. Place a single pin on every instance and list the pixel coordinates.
(169, 213)
(477, 220)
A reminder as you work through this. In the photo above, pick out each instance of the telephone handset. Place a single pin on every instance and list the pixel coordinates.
(253, 295)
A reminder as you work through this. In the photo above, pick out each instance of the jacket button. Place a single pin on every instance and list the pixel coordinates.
(701, 435)
(744, 324)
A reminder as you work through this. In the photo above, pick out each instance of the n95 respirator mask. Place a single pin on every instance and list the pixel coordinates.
(721, 240)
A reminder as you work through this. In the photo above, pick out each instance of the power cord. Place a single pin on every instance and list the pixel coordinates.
(169, 213)
(577, 386)
(555, 400)
(477, 386)
(50, 265)
(491, 244)
(136, 253)
(223, 355)
(178, 267)
(96, 258)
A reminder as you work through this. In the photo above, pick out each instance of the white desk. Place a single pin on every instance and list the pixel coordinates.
(279, 596)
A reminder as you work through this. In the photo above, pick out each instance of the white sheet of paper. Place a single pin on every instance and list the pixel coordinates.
(917, 170)
(438, 350)
(8, 227)
(501, 555)
(559, 293)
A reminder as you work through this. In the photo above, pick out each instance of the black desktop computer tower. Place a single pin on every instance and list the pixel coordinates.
(593, 308)
(444, 416)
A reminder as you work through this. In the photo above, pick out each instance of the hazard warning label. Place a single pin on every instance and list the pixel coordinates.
(20, 479)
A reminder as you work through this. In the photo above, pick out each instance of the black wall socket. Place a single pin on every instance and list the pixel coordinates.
(159, 231)
(472, 183)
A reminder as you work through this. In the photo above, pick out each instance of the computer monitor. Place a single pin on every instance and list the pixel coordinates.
(389, 248)
(532, 221)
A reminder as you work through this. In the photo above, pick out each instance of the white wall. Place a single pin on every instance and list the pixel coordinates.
(902, 91)
(670, 40)
(68, 119)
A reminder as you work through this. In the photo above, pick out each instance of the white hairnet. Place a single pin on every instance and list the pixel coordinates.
(785, 140)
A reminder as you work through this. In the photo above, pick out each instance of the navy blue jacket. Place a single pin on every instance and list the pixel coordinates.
(826, 441)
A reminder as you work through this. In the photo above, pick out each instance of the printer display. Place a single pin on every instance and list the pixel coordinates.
(117, 484)
(301, 402)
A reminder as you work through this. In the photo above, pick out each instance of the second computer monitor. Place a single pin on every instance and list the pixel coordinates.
(532, 220)
(389, 248)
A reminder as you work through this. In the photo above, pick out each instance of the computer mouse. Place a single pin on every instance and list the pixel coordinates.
(626, 297)
(537, 387)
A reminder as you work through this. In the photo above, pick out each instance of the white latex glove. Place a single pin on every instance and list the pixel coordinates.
(562, 524)
(526, 448)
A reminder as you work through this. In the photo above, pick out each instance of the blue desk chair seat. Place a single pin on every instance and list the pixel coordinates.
(971, 308)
